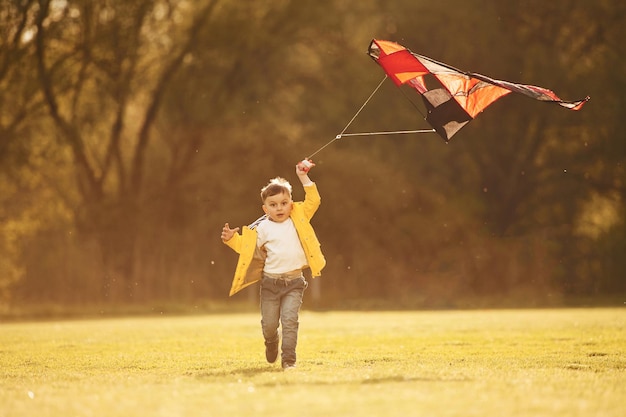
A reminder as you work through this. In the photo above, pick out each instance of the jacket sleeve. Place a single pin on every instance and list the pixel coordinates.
(234, 243)
(312, 200)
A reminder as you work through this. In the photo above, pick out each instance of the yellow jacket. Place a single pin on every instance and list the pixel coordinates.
(252, 258)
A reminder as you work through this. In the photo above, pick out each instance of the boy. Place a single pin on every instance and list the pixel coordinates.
(275, 249)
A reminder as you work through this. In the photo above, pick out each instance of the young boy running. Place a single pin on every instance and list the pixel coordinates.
(275, 249)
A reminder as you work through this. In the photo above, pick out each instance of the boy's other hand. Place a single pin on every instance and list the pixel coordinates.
(228, 233)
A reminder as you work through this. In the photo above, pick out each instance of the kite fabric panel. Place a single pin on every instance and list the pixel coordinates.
(457, 96)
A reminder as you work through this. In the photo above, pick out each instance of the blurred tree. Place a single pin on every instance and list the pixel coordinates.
(577, 169)
(104, 68)
(134, 129)
(21, 111)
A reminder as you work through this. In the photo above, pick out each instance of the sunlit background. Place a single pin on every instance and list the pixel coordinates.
(132, 130)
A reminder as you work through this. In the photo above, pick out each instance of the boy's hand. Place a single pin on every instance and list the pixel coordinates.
(304, 166)
(302, 169)
(228, 233)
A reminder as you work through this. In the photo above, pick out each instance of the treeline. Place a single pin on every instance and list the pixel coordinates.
(130, 131)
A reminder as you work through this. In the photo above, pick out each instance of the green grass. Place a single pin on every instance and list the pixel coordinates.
(569, 362)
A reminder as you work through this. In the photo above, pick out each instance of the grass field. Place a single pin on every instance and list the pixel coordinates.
(569, 362)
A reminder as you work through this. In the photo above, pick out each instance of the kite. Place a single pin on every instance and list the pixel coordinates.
(452, 97)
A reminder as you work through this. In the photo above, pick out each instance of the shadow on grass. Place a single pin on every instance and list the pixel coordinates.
(401, 378)
(244, 371)
(306, 378)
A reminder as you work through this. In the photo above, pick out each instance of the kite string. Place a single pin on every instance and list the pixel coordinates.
(351, 120)
(364, 104)
(389, 132)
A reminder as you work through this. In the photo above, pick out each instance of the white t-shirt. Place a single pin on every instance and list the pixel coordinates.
(284, 250)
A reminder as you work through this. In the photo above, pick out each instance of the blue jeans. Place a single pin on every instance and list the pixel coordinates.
(281, 300)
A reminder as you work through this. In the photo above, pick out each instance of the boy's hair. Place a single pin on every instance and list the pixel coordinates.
(276, 186)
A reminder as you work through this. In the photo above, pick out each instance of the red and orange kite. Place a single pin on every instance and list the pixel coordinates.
(455, 97)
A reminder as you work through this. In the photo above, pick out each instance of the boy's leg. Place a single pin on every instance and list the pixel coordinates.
(270, 311)
(289, 318)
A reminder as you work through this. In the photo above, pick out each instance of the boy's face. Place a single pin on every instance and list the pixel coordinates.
(278, 207)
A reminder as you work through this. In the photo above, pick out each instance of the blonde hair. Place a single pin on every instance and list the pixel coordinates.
(276, 186)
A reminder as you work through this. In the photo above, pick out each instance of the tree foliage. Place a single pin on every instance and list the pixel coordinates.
(130, 131)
